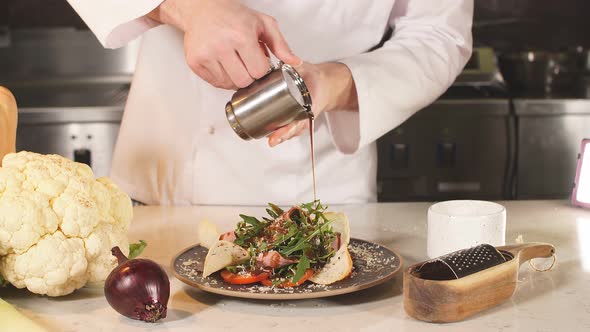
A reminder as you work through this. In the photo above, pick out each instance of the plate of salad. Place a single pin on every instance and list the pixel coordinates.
(300, 253)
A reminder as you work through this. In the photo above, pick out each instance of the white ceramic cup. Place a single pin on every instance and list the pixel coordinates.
(456, 225)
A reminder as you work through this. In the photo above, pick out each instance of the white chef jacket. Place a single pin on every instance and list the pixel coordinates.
(176, 147)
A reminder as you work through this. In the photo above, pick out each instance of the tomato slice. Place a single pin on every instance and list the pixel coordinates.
(288, 284)
(266, 282)
(243, 278)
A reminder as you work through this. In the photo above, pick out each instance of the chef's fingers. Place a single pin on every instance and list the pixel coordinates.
(203, 73)
(278, 136)
(206, 66)
(220, 79)
(235, 69)
(301, 128)
(287, 132)
(273, 38)
(264, 49)
(255, 60)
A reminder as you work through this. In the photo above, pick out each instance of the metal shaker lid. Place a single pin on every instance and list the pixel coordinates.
(297, 87)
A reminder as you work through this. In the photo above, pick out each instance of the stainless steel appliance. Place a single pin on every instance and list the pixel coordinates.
(83, 134)
(456, 148)
(483, 141)
(70, 91)
(549, 136)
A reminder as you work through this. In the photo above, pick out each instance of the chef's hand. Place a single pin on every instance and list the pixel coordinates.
(332, 89)
(225, 42)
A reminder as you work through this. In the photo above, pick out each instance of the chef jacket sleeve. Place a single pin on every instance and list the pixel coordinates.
(116, 22)
(430, 46)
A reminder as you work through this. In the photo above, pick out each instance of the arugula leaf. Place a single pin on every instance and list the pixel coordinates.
(232, 269)
(276, 209)
(292, 231)
(302, 266)
(135, 249)
(250, 220)
(305, 241)
(3, 282)
(272, 214)
(309, 206)
(248, 228)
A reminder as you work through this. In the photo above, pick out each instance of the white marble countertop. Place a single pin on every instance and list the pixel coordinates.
(558, 300)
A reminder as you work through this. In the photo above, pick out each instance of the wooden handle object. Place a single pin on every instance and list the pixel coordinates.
(527, 251)
(444, 301)
(8, 123)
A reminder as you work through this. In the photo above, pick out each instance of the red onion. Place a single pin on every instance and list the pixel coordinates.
(137, 288)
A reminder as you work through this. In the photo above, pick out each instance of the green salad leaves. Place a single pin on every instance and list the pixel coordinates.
(303, 234)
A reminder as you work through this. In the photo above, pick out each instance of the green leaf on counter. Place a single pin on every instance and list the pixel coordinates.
(135, 249)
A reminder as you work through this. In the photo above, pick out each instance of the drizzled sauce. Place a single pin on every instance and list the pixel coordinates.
(315, 197)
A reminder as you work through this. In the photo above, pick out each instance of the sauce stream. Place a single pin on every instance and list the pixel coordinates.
(312, 157)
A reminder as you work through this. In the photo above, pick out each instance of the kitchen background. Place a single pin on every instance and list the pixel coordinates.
(509, 128)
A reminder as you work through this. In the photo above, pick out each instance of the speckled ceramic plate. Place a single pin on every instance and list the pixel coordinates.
(373, 264)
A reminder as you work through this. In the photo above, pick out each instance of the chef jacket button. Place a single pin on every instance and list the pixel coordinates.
(211, 130)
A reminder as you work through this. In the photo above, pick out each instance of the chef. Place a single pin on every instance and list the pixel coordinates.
(175, 145)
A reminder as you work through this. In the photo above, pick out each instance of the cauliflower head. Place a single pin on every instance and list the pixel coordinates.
(58, 223)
